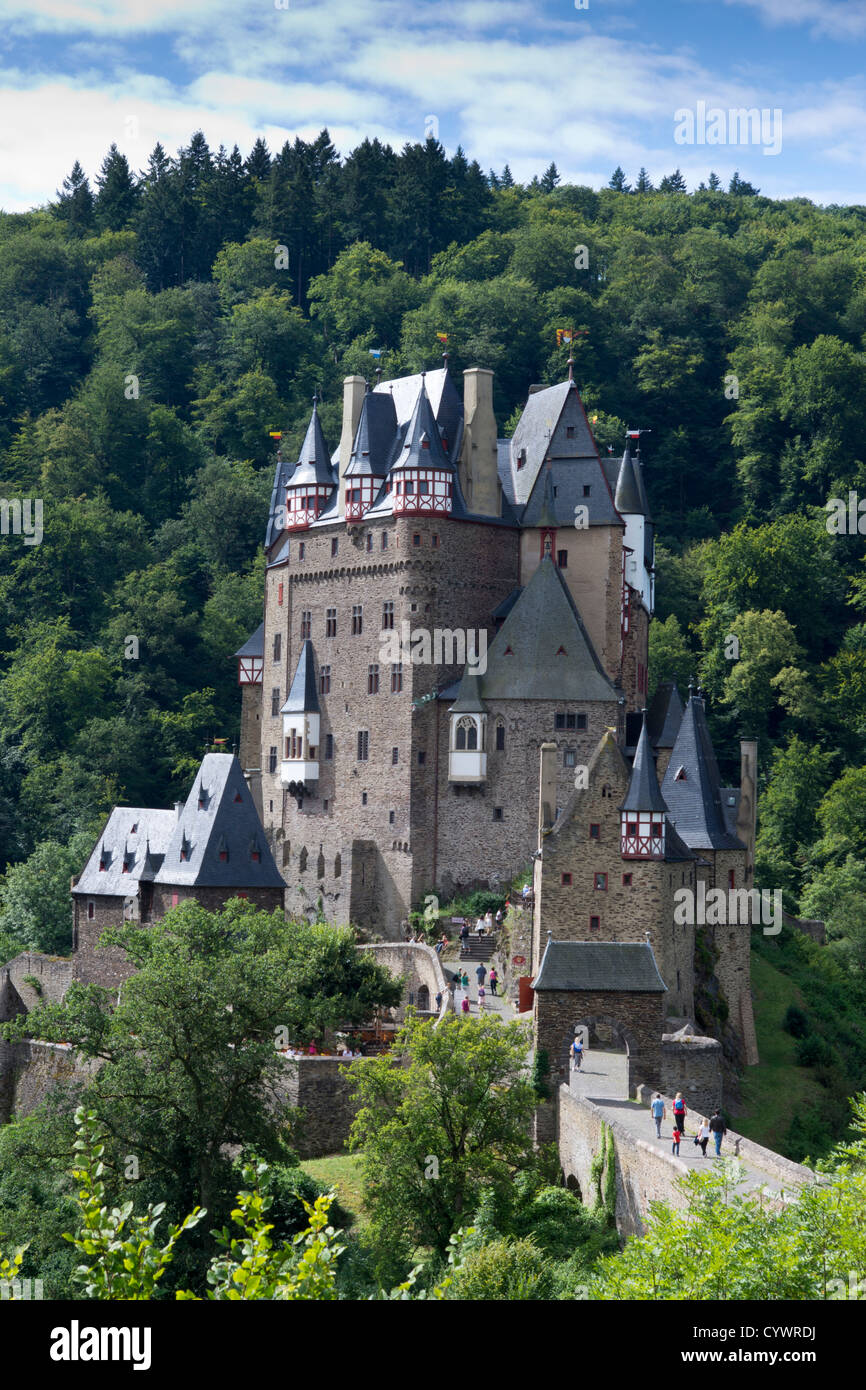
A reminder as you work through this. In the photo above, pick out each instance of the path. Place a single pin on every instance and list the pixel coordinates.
(603, 1079)
(493, 1004)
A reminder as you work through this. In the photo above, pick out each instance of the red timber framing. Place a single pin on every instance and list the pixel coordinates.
(643, 835)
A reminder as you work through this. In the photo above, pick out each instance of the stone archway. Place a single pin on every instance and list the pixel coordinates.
(616, 1037)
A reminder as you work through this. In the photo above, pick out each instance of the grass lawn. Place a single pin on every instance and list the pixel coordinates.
(343, 1172)
(776, 1089)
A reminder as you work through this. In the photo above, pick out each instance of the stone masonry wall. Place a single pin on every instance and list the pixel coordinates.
(693, 1065)
(418, 965)
(320, 1086)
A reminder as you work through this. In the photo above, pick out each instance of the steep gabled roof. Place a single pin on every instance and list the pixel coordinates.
(314, 462)
(607, 765)
(591, 966)
(469, 699)
(150, 836)
(228, 816)
(665, 715)
(643, 789)
(694, 798)
(543, 651)
(302, 697)
(444, 398)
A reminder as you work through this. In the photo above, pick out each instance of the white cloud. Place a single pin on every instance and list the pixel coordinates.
(837, 19)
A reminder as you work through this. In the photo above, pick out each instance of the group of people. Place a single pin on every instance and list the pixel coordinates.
(483, 927)
(461, 987)
(715, 1127)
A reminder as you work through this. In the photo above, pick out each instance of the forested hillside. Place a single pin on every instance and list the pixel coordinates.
(155, 327)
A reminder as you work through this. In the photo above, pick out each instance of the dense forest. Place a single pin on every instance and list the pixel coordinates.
(156, 326)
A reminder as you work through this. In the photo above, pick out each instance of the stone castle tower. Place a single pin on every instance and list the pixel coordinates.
(439, 603)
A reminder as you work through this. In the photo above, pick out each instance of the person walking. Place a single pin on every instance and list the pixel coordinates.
(438, 1001)
(498, 918)
(465, 1004)
(703, 1136)
(658, 1112)
(680, 1112)
(577, 1053)
(718, 1129)
(481, 998)
(494, 981)
(465, 980)
(481, 972)
(677, 1136)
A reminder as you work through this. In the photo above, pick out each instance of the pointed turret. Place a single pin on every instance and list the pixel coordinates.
(301, 720)
(643, 808)
(422, 478)
(467, 752)
(368, 464)
(628, 493)
(632, 504)
(312, 482)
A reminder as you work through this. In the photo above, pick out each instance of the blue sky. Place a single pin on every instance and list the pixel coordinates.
(522, 81)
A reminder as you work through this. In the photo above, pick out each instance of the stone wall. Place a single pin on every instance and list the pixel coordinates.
(693, 1065)
(54, 974)
(418, 965)
(320, 1087)
(29, 1070)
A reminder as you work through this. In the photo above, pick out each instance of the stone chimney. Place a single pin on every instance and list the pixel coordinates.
(546, 791)
(479, 477)
(178, 808)
(354, 389)
(747, 811)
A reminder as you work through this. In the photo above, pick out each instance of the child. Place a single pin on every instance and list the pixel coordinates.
(465, 1005)
(675, 1148)
(481, 998)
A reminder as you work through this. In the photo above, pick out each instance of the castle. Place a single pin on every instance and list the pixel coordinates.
(441, 608)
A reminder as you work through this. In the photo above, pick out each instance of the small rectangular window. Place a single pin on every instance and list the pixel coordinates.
(497, 813)
(278, 646)
(416, 539)
(272, 763)
(388, 614)
(434, 541)
(357, 620)
(275, 703)
(594, 923)
(363, 798)
(626, 880)
(571, 721)
(581, 721)
(363, 745)
(330, 622)
(279, 593)
(732, 878)
(570, 759)
(396, 677)
(369, 540)
(562, 559)
(91, 910)
(329, 747)
(306, 624)
(569, 431)
(324, 680)
(373, 680)
(500, 737)
(595, 832)
(422, 758)
(302, 549)
(395, 756)
(586, 490)
(566, 880)
(559, 721)
(601, 883)
(334, 545)
(384, 540)
(390, 817)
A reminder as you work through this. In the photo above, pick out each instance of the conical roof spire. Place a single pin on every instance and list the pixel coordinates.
(643, 789)
(422, 445)
(302, 697)
(628, 494)
(314, 460)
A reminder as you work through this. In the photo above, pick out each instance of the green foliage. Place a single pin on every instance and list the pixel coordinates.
(541, 1074)
(795, 1022)
(504, 1270)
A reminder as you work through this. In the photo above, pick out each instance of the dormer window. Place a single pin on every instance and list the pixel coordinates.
(680, 775)
(521, 458)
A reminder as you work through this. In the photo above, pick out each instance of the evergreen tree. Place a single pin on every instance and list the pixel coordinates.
(550, 178)
(367, 178)
(506, 178)
(117, 195)
(417, 203)
(75, 201)
(673, 183)
(741, 188)
(617, 181)
(714, 183)
(492, 179)
(644, 182)
(159, 226)
(258, 161)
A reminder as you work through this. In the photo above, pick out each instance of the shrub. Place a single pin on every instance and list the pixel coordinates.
(504, 1271)
(814, 1052)
(795, 1022)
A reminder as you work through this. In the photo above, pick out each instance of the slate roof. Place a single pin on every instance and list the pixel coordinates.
(643, 789)
(303, 697)
(591, 966)
(523, 661)
(314, 463)
(255, 644)
(695, 802)
(444, 398)
(665, 715)
(422, 444)
(282, 473)
(228, 818)
(503, 609)
(374, 438)
(628, 499)
(153, 831)
(469, 699)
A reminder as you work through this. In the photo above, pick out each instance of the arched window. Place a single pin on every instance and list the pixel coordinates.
(467, 734)
(320, 865)
(302, 860)
(338, 866)
(500, 735)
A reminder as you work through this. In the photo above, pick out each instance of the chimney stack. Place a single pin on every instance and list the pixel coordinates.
(747, 812)
(479, 475)
(354, 390)
(546, 791)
